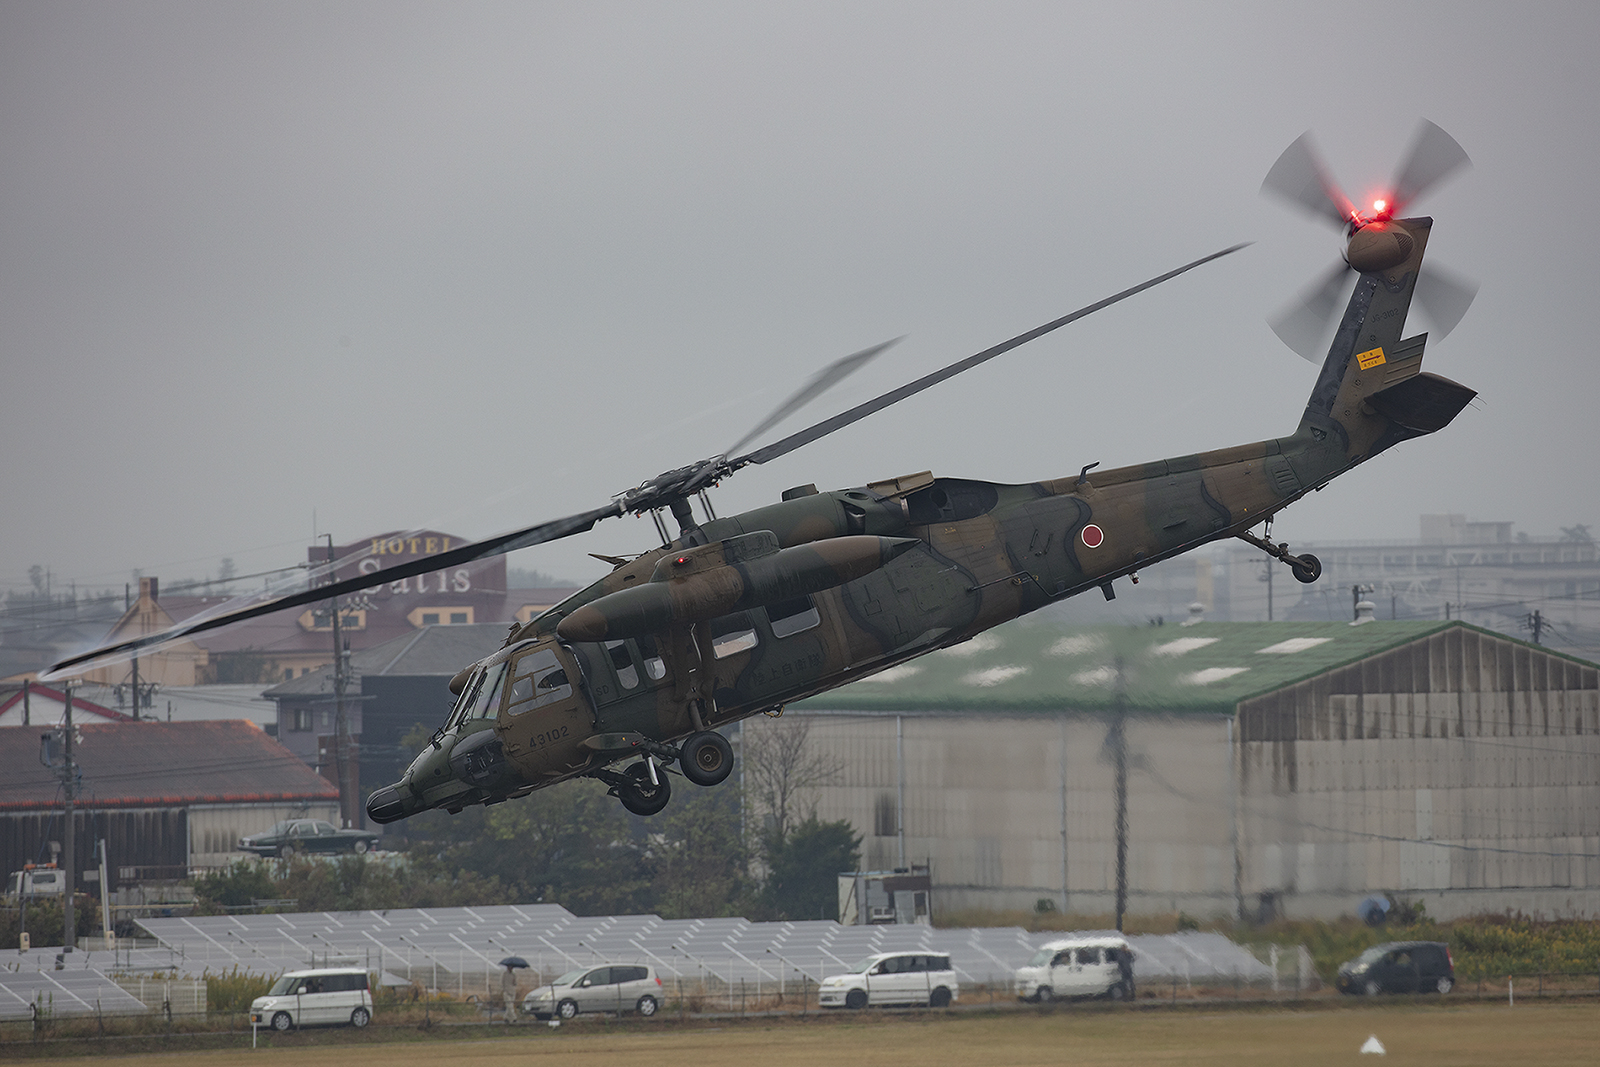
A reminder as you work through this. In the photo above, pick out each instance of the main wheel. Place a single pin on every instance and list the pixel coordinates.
(939, 998)
(567, 1009)
(1446, 983)
(706, 758)
(642, 796)
(1307, 570)
(281, 1021)
(855, 1000)
(1045, 995)
(360, 1017)
(646, 1006)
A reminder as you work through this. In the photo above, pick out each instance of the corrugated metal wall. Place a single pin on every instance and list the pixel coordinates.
(1462, 763)
(143, 837)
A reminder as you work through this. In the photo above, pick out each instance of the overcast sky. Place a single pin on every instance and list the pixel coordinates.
(267, 269)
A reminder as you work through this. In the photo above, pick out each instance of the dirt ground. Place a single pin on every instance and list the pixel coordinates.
(1451, 1035)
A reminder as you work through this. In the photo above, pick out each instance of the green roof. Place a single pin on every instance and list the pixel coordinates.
(1206, 667)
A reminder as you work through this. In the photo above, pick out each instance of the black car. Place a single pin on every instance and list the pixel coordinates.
(307, 835)
(1400, 967)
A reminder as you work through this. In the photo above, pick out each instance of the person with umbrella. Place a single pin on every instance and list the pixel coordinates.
(508, 985)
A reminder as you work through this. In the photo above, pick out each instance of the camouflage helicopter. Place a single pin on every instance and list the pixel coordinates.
(744, 614)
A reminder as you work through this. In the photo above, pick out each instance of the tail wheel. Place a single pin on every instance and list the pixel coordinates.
(706, 758)
(1306, 569)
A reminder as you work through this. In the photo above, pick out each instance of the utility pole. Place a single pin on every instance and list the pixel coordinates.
(69, 838)
(1536, 624)
(341, 723)
(136, 689)
(1119, 755)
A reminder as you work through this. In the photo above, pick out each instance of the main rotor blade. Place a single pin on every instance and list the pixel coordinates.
(1434, 156)
(820, 382)
(1300, 178)
(266, 603)
(861, 411)
(1444, 297)
(1303, 325)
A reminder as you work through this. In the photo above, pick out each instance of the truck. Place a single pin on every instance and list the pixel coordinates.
(37, 882)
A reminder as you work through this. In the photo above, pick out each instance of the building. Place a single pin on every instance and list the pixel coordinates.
(1481, 572)
(168, 798)
(1272, 768)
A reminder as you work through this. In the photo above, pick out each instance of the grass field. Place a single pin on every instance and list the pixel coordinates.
(1452, 1035)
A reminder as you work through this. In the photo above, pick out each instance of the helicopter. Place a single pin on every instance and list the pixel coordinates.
(739, 615)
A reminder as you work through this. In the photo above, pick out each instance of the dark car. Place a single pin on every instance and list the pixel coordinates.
(1400, 967)
(307, 835)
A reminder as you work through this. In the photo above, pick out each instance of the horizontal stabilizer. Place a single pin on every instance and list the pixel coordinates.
(1423, 403)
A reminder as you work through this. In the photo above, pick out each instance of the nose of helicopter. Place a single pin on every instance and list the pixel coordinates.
(389, 804)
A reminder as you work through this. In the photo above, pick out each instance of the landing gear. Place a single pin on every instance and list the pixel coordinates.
(1305, 567)
(706, 758)
(638, 793)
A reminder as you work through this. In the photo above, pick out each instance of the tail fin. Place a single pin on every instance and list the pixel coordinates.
(1371, 393)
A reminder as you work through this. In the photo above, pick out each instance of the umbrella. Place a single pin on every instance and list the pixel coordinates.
(513, 962)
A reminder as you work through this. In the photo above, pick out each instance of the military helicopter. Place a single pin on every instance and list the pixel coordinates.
(744, 614)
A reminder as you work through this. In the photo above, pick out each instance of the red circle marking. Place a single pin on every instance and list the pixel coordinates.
(1092, 536)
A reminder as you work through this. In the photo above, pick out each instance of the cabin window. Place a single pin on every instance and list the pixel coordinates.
(790, 617)
(622, 663)
(537, 679)
(731, 635)
(655, 668)
(1088, 956)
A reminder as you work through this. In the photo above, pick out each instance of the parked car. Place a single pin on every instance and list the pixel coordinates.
(325, 997)
(1400, 967)
(892, 978)
(618, 987)
(307, 835)
(1078, 967)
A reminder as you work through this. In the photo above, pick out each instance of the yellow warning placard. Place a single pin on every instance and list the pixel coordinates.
(1368, 360)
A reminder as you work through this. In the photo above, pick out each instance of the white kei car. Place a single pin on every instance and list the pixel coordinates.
(322, 997)
(1078, 967)
(892, 978)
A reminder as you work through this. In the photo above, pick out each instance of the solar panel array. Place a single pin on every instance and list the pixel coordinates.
(79, 990)
(441, 947)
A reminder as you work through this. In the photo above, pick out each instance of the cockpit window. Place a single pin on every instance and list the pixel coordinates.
(488, 699)
(464, 703)
(537, 679)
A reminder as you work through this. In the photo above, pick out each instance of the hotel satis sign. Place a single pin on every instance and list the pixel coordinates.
(373, 555)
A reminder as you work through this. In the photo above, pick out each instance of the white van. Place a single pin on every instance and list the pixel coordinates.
(1078, 967)
(326, 997)
(892, 978)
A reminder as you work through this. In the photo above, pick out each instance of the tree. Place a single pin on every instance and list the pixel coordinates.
(803, 869)
(782, 771)
(697, 858)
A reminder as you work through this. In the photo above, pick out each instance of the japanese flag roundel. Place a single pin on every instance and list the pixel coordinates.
(1092, 536)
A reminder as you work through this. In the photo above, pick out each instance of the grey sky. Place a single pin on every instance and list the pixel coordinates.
(474, 265)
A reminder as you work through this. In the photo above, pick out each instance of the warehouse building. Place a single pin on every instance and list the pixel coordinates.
(168, 798)
(1288, 768)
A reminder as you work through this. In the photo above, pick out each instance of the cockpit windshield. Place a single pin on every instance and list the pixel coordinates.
(480, 698)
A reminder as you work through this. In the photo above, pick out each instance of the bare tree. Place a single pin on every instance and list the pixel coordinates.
(781, 771)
